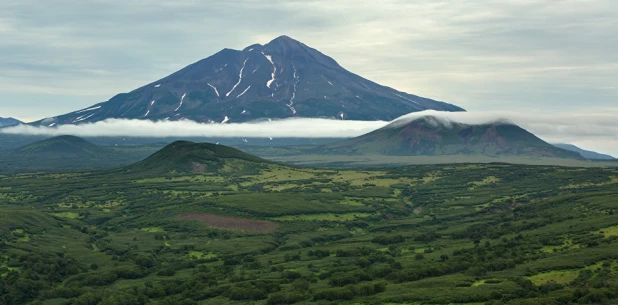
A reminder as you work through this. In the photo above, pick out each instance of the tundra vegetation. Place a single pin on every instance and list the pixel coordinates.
(245, 231)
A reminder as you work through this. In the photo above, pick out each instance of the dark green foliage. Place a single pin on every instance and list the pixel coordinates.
(529, 235)
(388, 240)
(285, 297)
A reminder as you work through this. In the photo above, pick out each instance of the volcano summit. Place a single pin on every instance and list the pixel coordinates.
(284, 78)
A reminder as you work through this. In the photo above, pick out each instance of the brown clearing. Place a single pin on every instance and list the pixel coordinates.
(230, 223)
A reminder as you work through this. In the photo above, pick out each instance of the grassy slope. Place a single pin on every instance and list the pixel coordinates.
(65, 153)
(432, 234)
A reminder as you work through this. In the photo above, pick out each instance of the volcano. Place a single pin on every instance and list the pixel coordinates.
(282, 79)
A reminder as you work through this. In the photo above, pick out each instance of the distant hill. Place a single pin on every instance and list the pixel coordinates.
(62, 147)
(67, 153)
(431, 136)
(6, 122)
(281, 79)
(189, 157)
(588, 154)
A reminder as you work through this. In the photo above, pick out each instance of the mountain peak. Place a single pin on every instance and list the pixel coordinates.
(284, 39)
(286, 45)
(284, 78)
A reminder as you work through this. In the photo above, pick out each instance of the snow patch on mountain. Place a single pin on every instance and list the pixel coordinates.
(213, 87)
(407, 99)
(291, 104)
(89, 109)
(272, 79)
(181, 100)
(79, 119)
(239, 77)
(243, 92)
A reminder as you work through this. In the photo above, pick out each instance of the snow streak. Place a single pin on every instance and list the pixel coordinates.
(239, 77)
(407, 99)
(211, 86)
(89, 109)
(243, 92)
(291, 104)
(272, 79)
(181, 100)
(81, 118)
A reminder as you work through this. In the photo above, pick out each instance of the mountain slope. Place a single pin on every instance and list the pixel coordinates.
(284, 78)
(189, 157)
(585, 153)
(61, 147)
(6, 122)
(65, 153)
(430, 136)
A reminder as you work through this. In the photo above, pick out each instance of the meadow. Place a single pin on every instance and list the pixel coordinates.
(424, 234)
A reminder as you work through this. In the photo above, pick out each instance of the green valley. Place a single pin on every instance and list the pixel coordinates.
(208, 224)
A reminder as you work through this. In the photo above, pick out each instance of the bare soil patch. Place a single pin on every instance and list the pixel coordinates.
(230, 222)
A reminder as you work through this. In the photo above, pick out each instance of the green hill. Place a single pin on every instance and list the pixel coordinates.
(431, 136)
(67, 153)
(189, 157)
(62, 147)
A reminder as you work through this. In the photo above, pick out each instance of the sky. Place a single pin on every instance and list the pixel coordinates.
(527, 56)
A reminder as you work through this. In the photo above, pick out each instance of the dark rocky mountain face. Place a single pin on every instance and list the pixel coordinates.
(281, 79)
(6, 122)
(430, 136)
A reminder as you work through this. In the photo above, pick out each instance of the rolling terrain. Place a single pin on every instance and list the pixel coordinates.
(69, 153)
(208, 224)
(283, 78)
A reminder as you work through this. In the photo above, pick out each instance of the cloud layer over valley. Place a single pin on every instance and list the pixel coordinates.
(598, 131)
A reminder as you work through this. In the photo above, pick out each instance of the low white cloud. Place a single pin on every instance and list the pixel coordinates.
(594, 131)
(287, 128)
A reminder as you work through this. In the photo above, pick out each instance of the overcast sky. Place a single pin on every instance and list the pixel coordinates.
(555, 56)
